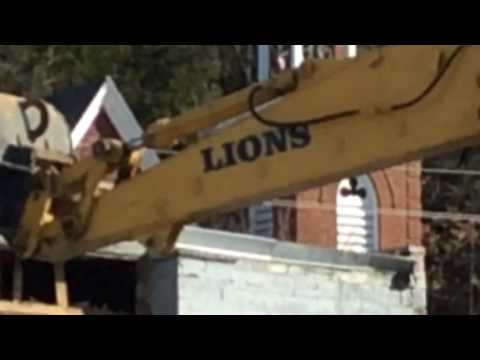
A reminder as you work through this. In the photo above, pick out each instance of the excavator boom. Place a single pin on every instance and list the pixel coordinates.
(307, 128)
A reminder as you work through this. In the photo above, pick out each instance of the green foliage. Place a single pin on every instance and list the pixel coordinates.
(157, 80)
(453, 261)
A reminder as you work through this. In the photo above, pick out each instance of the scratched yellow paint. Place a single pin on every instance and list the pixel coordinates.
(179, 191)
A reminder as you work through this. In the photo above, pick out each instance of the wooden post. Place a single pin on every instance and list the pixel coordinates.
(18, 280)
(61, 289)
(1, 277)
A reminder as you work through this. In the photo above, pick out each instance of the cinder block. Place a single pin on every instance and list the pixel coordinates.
(364, 308)
(355, 278)
(198, 287)
(282, 281)
(258, 288)
(250, 280)
(213, 309)
(398, 311)
(266, 289)
(382, 295)
(294, 306)
(205, 299)
(240, 303)
(296, 271)
(325, 290)
(278, 269)
(191, 266)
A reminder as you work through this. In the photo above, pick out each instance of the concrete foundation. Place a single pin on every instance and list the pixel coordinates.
(251, 276)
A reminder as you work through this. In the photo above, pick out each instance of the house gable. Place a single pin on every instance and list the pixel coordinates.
(99, 110)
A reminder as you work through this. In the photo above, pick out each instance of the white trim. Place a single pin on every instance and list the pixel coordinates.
(120, 115)
(352, 51)
(297, 56)
(225, 253)
(125, 122)
(89, 116)
(358, 219)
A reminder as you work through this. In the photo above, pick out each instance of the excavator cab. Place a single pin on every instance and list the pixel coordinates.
(34, 137)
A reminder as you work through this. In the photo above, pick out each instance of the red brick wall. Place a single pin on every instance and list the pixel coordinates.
(101, 128)
(341, 51)
(399, 194)
(317, 226)
(414, 204)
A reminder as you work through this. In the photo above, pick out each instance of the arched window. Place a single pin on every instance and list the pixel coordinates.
(357, 216)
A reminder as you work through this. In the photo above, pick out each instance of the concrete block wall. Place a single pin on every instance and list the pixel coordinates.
(206, 287)
(217, 273)
(250, 288)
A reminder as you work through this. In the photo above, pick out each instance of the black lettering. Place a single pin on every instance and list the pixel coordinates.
(208, 160)
(276, 142)
(34, 134)
(230, 154)
(250, 149)
(300, 137)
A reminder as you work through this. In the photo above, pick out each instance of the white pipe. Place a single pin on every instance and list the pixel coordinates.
(297, 56)
(352, 51)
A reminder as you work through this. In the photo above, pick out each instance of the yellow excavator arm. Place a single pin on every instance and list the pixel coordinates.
(324, 122)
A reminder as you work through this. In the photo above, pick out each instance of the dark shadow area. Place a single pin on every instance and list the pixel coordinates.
(98, 286)
(165, 297)
(103, 284)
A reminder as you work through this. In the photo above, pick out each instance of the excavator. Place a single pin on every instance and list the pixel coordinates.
(323, 122)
